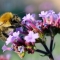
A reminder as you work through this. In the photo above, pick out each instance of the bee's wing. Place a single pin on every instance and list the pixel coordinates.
(5, 24)
(1, 23)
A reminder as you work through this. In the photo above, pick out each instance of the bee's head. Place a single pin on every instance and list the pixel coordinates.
(15, 20)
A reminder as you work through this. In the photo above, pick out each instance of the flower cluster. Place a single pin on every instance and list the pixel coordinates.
(21, 44)
(24, 38)
(50, 18)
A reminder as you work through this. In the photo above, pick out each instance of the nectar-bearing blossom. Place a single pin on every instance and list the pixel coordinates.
(43, 14)
(4, 48)
(50, 12)
(39, 24)
(28, 17)
(9, 39)
(12, 38)
(16, 34)
(31, 37)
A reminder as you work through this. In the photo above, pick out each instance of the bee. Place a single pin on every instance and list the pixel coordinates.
(8, 22)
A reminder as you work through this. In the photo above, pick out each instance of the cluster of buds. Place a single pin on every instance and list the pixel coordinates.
(23, 39)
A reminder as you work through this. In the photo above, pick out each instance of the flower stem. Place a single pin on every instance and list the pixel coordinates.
(40, 51)
(52, 39)
(51, 57)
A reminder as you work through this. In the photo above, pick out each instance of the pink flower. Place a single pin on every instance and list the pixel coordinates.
(31, 37)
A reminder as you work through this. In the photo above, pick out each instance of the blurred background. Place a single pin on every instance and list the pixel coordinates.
(21, 7)
(18, 6)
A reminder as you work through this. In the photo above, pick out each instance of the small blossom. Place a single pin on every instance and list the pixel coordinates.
(28, 17)
(10, 39)
(39, 24)
(55, 16)
(19, 29)
(31, 36)
(4, 48)
(43, 14)
(49, 20)
(51, 12)
(16, 34)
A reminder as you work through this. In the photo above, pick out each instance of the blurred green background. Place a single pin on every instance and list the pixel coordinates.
(21, 7)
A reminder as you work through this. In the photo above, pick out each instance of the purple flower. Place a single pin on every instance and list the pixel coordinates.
(19, 29)
(15, 37)
(43, 14)
(50, 12)
(39, 24)
(55, 16)
(9, 39)
(28, 17)
(4, 48)
(16, 34)
(31, 37)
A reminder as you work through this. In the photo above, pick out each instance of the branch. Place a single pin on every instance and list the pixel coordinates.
(40, 51)
(51, 44)
(52, 40)
(44, 45)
